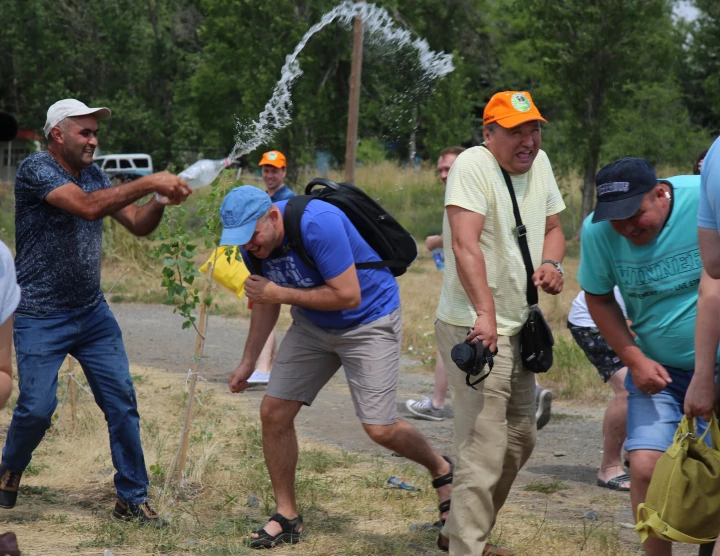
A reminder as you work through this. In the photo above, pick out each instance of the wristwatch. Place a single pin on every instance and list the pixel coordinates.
(555, 264)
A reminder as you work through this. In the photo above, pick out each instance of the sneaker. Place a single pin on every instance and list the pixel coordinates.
(543, 403)
(425, 410)
(9, 483)
(142, 513)
(258, 378)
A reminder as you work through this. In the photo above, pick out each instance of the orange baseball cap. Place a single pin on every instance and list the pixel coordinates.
(511, 108)
(273, 158)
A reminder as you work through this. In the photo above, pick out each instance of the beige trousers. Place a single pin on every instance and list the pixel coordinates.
(494, 437)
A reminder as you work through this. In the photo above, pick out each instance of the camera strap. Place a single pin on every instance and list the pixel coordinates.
(489, 360)
(531, 292)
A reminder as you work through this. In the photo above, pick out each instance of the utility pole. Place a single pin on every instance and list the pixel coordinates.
(354, 105)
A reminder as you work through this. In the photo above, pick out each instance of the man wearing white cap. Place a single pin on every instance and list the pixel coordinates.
(61, 198)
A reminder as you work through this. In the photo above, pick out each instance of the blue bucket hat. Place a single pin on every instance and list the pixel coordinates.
(621, 186)
(239, 213)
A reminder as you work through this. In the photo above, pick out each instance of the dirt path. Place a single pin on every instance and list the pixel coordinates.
(567, 449)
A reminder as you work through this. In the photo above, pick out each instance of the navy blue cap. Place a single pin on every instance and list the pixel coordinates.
(621, 186)
(240, 211)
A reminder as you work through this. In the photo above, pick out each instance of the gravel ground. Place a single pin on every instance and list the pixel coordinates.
(568, 448)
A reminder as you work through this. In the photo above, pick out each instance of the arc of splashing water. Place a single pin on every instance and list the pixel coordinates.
(378, 22)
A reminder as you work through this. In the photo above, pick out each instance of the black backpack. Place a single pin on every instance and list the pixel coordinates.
(393, 243)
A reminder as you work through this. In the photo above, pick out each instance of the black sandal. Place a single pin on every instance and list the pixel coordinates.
(446, 479)
(290, 533)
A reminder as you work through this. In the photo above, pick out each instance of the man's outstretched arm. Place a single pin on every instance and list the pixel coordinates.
(104, 202)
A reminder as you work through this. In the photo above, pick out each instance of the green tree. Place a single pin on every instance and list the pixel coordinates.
(598, 65)
(702, 72)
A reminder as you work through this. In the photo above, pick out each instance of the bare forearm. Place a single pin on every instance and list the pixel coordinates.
(707, 327)
(554, 245)
(147, 218)
(709, 241)
(470, 264)
(109, 201)
(262, 322)
(321, 298)
(610, 321)
(434, 242)
(6, 331)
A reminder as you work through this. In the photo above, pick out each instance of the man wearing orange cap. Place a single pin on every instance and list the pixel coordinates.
(485, 290)
(274, 170)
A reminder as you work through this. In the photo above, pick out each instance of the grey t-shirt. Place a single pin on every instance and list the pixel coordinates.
(57, 254)
(9, 290)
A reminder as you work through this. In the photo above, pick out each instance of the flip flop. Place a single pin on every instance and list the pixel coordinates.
(616, 483)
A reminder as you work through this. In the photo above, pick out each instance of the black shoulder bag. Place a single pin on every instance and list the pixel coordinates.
(536, 339)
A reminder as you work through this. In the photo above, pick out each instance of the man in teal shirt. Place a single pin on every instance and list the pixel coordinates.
(642, 237)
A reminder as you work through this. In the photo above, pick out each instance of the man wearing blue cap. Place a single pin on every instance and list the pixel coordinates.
(341, 317)
(643, 238)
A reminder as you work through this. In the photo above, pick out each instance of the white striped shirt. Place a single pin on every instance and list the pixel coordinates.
(476, 183)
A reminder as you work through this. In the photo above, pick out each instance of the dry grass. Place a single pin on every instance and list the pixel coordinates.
(67, 494)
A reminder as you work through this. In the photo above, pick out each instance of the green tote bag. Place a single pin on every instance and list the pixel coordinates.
(683, 499)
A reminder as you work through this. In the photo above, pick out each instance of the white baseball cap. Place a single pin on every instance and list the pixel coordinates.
(70, 107)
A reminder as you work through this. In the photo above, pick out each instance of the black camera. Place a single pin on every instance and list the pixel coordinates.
(472, 359)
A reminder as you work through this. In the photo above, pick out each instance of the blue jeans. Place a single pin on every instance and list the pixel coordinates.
(652, 419)
(93, 337)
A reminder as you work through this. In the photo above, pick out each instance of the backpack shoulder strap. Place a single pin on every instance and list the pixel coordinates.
(255, 264)
(291, 220)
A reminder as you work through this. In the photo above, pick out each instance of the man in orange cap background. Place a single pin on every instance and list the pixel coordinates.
(274, 170)
(484, 289)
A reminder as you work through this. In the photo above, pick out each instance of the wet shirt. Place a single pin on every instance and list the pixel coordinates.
(57, 254)
(333, 244)
(659, 281)
(709, 209)
(282, 194)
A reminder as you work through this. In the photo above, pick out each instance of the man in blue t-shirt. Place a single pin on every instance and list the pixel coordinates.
(341, 317)
(642, 237)
(702, 398)
(61, 198)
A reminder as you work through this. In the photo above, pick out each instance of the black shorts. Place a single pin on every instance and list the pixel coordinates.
(597, 350)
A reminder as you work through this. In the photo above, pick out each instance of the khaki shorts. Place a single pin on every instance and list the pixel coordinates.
(309, 356)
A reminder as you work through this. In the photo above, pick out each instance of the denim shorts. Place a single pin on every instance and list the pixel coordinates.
(653, 419)
(597, 350)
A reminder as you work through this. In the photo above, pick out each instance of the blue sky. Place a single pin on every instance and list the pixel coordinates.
(686, 10)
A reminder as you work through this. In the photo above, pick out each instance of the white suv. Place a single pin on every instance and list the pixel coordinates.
(125, 166)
